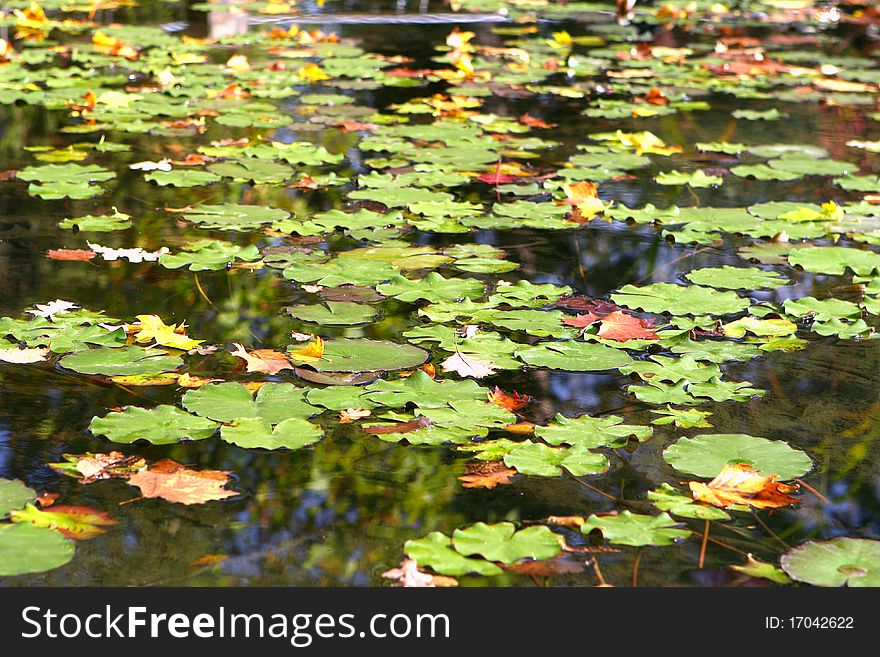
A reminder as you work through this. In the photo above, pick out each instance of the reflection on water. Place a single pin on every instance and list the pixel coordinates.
(338, 514)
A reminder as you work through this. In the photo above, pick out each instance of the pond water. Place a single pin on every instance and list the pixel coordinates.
(339, 512)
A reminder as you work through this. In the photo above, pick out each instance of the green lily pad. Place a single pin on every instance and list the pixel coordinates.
(362, 355)
(255, 432)
(13, 495)
(707, 454)
(224, 402)
(232, 216)
(736, 278)
(591, 432)
(423, 391)
(432, 287)
(98, 223)
(838, 562)
(333, 313)
(162, 425)
(636, 529)
(501, 542)
(679, 300)
(28, 549)
(544, 461)
(573, 356)
(667, 498)
(435, 551)
(121, 361)
(835, 260)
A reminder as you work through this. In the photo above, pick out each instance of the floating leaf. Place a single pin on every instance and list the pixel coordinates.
(707, 454)
(123, 361)
(28, 549)
(254, 432)
(501, 542)
(435, 551)
(679, 300)
(838, 562)
(636, 529)
(77, 522)
(224, 402)
(175, 483)
(13, 495)
(162, 425)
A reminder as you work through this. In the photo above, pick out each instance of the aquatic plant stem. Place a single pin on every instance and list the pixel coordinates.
(703, 545)
(636, 562)
(824, 499)
(598, 572)
(767, 529)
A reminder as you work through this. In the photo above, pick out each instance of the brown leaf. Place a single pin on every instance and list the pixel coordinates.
(172, 481)
(95, 467)
(70, 254)
(268, 361)
(740, 484)
(409, 576)
(403, 427)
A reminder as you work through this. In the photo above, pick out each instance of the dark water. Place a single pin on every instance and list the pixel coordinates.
(339, 513)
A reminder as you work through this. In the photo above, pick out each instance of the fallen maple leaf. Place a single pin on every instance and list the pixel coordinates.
(581, 321)
(268, 361)
(171, 481)
(409, 576)
(151, 327)
(70, 254)
(740, 484)
(622, 327)
(486, 474)
(468, 366)
(512, 402)
(533, 122)
(47, 310)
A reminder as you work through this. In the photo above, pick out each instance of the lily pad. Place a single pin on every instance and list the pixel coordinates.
(162, 425)
(333, 313)
(254, 432)
(121, 361)
(573, 356)
(436, 552)
(13, 495)
(544, 461)
(224, 402)
(636, 529)
(362, 355)
(501, 542)
(838, 562)
(28, 549)
(679, 300)
(705, 455)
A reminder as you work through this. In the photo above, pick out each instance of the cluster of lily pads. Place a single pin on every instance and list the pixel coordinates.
(448, 162)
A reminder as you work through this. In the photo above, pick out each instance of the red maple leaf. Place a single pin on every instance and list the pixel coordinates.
(622, 327)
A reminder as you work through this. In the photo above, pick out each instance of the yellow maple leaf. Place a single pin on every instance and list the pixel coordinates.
(311, 352)
(238, 63)
(150, 327)
(312, 73)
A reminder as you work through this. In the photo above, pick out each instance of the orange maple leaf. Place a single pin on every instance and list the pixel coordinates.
(512, 402)
(740, 484)
(622, 327)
